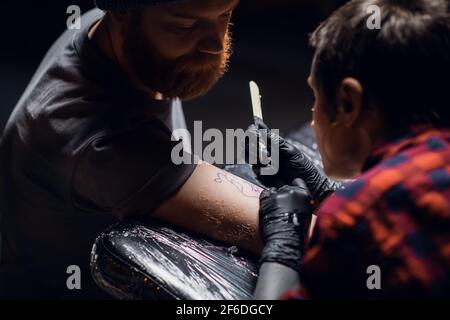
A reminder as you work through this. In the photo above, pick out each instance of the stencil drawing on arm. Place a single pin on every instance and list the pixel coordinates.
(246, 188)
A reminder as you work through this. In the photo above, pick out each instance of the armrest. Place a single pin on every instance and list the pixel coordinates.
(137, 261)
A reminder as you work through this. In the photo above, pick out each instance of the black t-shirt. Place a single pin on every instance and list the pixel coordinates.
(81, 149)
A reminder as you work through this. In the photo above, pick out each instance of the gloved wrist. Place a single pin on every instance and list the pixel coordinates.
(325, 188)
(295, 164)
(284, 219)
(284, 246)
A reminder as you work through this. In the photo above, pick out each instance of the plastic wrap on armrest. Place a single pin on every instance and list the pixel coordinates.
(134, 261)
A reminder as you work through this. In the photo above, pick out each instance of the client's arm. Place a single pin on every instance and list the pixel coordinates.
(216, 204)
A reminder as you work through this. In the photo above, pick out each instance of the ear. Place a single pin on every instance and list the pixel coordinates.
(350, 96)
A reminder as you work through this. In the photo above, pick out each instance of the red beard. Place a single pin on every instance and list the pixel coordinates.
(187, 77)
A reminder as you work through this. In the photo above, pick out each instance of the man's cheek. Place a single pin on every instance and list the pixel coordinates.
(319, 141)
(173, 48)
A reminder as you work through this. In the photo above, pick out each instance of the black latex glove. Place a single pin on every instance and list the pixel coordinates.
(293, 164)
(284, 219)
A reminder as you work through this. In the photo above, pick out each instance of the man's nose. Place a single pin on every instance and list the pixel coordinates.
(212, 43)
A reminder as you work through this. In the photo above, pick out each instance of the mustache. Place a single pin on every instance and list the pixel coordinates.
(204, 61)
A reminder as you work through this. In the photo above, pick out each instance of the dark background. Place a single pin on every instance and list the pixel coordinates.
(270, 47)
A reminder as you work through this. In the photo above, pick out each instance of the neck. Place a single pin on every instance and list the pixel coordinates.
(102, 35)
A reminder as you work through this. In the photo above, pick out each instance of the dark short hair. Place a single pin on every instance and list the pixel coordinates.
(404, 67)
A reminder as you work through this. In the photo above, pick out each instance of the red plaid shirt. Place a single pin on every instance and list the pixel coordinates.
(395, 216)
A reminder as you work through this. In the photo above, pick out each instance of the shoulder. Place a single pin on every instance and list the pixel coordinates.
(416, 180)
(128, 172)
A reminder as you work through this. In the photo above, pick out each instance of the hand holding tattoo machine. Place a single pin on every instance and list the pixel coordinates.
(293, 163)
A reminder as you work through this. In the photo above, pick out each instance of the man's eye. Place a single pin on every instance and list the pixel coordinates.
(226, 16)
(186, 26)
(182, 29)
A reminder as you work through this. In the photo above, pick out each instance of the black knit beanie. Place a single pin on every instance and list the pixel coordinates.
(129, 4)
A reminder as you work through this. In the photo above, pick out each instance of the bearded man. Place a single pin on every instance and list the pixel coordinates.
(90, 139)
